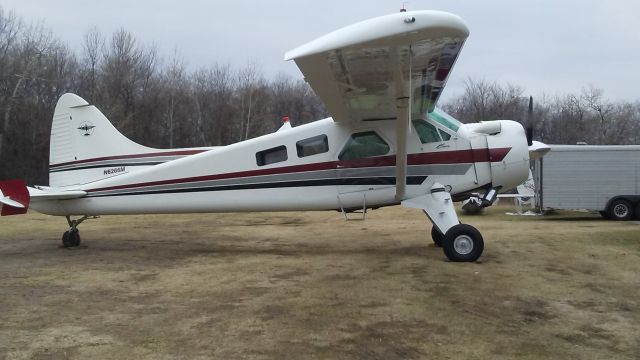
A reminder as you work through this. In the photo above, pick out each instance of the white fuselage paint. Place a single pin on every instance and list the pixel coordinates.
(228, 179)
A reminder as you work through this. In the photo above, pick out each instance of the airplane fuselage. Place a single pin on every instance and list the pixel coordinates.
(318, 166)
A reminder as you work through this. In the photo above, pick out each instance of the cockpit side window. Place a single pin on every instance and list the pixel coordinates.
(426, 132)
(444, 119)
(363, 145)
(445, 135)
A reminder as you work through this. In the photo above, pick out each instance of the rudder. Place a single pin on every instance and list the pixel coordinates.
(14, 197)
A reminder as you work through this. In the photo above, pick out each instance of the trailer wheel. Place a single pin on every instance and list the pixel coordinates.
(638, 211)
(604, 214)
(620, 210)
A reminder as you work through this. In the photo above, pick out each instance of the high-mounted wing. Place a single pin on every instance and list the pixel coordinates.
(387, 68)
(362, 70)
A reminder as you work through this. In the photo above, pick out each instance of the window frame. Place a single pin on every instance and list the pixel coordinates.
(439, 130)
(300, 150)
(260, 155)
(362, 131)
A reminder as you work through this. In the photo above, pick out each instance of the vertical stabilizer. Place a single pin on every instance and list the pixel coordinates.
(84, 145)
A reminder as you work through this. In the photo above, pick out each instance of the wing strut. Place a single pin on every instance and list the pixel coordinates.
(403, 110)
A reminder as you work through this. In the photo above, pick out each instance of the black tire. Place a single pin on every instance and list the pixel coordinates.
(71, 238)
(437, 236)
(620, 210)
(638, 211)
(463, 243)
(604, 214)
(66, 240)
(75, 238)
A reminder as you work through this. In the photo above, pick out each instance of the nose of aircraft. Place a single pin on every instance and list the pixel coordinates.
(514, 167)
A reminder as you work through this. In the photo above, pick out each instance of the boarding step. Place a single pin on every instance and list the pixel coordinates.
(363, 210)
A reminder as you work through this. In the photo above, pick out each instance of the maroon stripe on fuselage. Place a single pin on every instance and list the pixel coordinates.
(443, 157)
(131, 156)
(497, 154)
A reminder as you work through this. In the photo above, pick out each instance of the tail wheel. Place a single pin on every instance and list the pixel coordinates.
(620, 210)
(463, 243)
(66, 239)
(75, 238)
(71, 238)
(437, 236)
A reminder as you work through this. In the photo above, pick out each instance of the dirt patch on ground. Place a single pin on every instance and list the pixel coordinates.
(310, 285)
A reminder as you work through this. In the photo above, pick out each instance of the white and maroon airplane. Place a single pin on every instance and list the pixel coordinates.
(386, 144)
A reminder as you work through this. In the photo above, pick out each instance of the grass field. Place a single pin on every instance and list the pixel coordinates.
(311, 285)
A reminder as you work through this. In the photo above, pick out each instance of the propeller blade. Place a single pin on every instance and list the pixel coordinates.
(530, 135)
(530, 122)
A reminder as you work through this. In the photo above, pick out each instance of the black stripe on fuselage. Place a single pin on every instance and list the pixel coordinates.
(377, 181)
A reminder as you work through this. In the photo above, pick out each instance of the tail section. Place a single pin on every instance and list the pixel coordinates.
(86, 147)
(14, 197)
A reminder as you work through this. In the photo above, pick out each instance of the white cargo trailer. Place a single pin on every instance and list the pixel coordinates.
(604, 178)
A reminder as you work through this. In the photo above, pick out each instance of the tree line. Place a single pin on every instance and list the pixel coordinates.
(583, 117)
(153, 101)
(160, 102)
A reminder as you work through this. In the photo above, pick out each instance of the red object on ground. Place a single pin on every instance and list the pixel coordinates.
(17, 191)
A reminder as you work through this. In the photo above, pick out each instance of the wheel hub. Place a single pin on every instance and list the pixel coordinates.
(620, 210)
(463, 244)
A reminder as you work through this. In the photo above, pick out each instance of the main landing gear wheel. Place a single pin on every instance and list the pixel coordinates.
(437, 236)
(463, 243)
(71, 238)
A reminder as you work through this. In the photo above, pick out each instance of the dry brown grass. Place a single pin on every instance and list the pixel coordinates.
(310, 285)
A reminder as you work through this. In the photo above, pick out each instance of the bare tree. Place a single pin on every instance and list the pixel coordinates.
(33, 46)
(250, 82)
(212, 92)
(93, 47)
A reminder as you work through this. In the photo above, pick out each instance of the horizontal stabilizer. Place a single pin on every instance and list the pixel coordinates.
(14, 197)
(9, 202)
(51, 194)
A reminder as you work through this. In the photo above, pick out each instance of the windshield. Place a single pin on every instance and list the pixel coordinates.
(438, 115)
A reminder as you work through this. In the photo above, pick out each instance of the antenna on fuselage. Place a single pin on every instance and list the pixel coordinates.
(404, 9)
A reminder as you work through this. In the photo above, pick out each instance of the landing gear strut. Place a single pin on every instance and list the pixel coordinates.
(71, 237)
(460, 242)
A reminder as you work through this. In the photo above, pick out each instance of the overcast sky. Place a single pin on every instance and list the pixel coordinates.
(555, 46)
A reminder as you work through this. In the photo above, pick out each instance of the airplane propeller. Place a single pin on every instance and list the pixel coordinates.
(537, 149)
(530, 122)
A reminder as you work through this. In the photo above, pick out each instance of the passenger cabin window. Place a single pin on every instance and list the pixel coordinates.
(426, 132)
(363, 145)
(270, 156)
(312, 146)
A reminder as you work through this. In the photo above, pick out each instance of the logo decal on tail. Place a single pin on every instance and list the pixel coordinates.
(86, 128)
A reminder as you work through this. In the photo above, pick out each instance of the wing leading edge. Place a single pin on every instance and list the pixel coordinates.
(361, 71)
